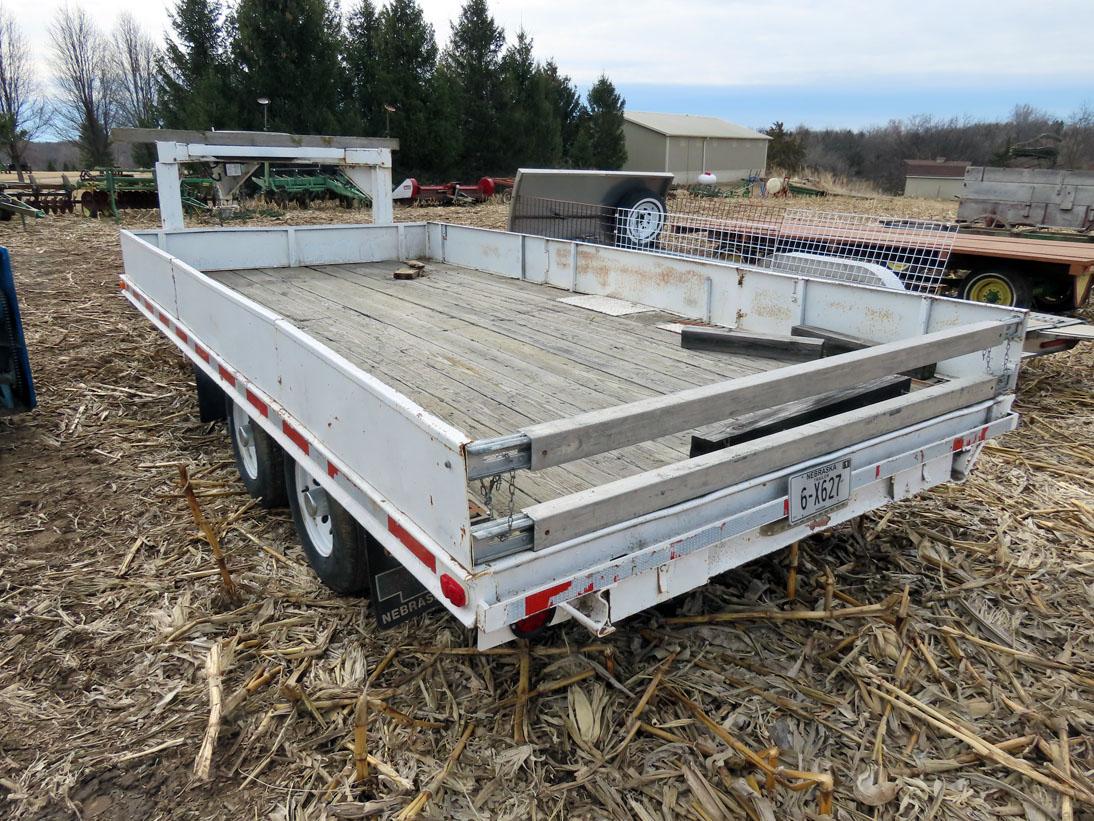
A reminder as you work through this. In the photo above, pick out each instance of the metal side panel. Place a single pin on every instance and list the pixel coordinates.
(738, 524)
(425, 560)
(413, 459)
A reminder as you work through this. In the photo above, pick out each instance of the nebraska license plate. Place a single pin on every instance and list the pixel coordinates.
(819, 489)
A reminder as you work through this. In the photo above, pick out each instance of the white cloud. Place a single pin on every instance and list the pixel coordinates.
(750, 42)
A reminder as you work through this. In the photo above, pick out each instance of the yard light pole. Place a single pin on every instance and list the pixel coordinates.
(388, 108)
(265, 102)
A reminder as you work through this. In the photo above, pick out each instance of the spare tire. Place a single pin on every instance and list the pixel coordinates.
(639, 218)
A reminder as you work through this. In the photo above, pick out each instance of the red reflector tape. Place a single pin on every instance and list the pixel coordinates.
(332, 471)
(226, 375)
(295, 435)
(542, 599)
(181, 334)
(258, 403)
(204, 354)
(412, 544)
(958, 444)
(121, 284)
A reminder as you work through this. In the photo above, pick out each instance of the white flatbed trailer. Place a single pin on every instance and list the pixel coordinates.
(517, 426)
(403, 399)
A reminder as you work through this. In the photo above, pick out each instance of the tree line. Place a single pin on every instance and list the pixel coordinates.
(477, 106)
(1028, 136)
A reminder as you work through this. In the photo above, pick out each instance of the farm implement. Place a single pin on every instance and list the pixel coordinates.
(453, 193)
(36, 199)
(110, 189)
(284, 185)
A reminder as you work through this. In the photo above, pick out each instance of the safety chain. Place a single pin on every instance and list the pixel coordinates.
(487, 488)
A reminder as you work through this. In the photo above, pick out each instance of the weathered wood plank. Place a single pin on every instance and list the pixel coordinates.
(588, 511)
(764, 423)
(790, 348)
(599, 431)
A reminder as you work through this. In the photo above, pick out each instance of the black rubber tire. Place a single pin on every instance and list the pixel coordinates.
(211, 406)
(345, 570)
(1021, 291)
(627, 234)
(267, 483)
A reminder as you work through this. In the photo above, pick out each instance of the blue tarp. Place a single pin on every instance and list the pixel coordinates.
(16, 385)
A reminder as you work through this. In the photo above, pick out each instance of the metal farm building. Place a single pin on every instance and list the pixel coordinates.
(686, 145)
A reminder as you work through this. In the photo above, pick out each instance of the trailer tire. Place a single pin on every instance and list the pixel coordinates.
(211, 405)
(998, 287)
(259, 459)
(333, 541)
(640, 216)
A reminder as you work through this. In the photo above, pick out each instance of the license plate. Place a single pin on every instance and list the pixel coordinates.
(819, 489)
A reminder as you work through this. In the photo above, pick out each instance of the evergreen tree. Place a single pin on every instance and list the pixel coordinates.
(193, 82)
(406, 80)
(364, 111)
(287, 51)
(568, 108)
(785, 151)
(532, 125)
(600, 143)
(472, 67)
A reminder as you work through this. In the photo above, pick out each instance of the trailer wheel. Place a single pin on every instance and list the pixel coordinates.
(640, 216)
(332, 539)
(259, 458)
(1003, 287)
(211, 405)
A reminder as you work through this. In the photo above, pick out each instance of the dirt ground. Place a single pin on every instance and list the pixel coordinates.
(963, 688)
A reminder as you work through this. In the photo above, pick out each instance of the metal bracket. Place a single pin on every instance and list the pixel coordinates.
(592, 611)
(489, 457)
(501, 537)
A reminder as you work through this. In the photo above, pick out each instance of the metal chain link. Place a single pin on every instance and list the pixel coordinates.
(512, 482)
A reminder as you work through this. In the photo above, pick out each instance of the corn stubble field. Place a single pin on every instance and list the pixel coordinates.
(934, 663)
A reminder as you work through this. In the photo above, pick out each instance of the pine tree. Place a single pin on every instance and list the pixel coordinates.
(194, 87)
(532, 126)
(471, 64)
(406, 52)
(363, 110)
(785, 151)
(601, 138)
(287, 51)
(568, 108)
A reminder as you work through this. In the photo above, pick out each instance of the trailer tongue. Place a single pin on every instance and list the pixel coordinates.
(515, 423)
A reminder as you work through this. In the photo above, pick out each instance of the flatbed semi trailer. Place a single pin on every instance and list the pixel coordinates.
(514, 423)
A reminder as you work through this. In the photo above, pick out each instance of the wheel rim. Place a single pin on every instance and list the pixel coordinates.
(643, 221)
(245, 441)
(315, 512)
(992, 289)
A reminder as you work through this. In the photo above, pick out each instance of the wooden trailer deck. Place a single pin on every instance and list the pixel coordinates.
(491, 355)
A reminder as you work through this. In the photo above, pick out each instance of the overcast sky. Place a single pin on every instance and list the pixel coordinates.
(819, 62)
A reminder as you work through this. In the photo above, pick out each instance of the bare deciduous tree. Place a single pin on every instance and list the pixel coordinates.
(87, 81)
(136, 57)
(23, 110)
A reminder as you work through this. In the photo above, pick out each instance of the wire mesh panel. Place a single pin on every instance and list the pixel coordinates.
(851, 247)
(914, 250)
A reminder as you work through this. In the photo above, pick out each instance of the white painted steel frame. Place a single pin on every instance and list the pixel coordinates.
(367, 168)
(259, 345)
(412, 459)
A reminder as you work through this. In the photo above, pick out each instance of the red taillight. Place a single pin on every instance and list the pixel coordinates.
(531, 625)
(1054, 343)
(453, 591)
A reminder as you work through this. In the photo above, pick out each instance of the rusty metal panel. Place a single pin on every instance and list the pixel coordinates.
(1004, 197)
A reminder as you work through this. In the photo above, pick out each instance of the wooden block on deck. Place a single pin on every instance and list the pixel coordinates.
(837, 343)
(408, 273)
(791, 415)
(796, 349)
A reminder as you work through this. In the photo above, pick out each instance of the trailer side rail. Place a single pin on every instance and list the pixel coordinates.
(359, 420)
